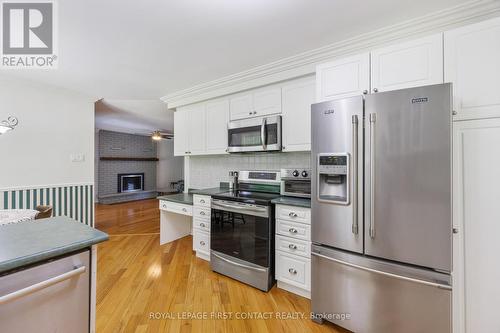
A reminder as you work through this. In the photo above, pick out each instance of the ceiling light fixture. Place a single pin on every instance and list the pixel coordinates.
(8, 125)
(156, 136)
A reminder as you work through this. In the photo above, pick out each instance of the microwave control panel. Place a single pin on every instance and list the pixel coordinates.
(333, 164)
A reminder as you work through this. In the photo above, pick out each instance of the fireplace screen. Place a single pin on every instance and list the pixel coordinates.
(130, 182)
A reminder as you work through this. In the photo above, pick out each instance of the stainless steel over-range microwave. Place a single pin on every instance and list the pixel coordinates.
(254, 135)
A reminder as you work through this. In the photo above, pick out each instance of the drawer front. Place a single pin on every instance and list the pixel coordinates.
(201, 241)
(201, 200)
(201, 224)
(202, 213)
(292, 213)
(293, 246)
(293, 269)
(176, 208)
(294, 230)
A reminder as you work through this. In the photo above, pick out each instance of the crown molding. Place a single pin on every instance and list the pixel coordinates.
(305, 63)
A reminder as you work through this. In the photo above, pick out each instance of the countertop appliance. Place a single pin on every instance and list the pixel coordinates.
(254, 135)
(381, 211)
(242, 229)
(296, 182)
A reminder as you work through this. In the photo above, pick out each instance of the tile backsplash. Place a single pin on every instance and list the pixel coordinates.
(208, 171)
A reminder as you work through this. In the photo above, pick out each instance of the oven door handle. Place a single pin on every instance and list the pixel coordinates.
(238, 264)
(256, 209)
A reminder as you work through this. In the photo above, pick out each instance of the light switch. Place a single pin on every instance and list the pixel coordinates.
(79, 157)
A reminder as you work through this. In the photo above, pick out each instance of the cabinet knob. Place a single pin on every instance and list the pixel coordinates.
(365, 92)
(455, 230)
(375, 90)
(292, 214)
(250, 112)
(454, 112)
(293, 230)
(202, 201)
(292, 271)
(184, 209)
(202, 243)
(292, 246)
(202, 213)
(202, 225)
(255, 112)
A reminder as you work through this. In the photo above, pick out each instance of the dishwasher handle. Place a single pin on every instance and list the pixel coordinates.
(42, 285)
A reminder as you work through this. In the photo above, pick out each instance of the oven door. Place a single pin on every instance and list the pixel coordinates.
(296, 188)
(241, 231)
(257, 134)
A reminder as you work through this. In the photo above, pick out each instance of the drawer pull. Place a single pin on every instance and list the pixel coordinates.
(292, 214)
(292, 271)
(202, 225)
(292, 246)
(202, 201)
(184, 210)
(202, 243)
(202, 213)
(293, 230)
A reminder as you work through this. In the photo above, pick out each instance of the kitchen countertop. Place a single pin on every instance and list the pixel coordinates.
(182, 198)
(29, 242)
(291, 201)
(209, 191)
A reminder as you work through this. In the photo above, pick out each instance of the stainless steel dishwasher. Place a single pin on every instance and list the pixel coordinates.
(51, 297)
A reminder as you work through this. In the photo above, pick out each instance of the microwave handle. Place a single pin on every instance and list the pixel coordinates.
(263, 133)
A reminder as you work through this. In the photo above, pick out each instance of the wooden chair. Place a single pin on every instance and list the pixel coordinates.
(43, 212)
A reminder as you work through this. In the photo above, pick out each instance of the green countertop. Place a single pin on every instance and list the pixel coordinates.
(209, 191)
(182, 198)
(291, 201)
(29, 242)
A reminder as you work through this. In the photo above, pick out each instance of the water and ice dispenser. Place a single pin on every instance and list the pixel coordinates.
(334, 178)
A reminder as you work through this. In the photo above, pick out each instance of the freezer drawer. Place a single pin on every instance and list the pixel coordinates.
(375, 297)
(52, 297)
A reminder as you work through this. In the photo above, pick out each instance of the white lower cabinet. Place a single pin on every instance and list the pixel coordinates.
(476, 218)
(201, 226)
(293, 249)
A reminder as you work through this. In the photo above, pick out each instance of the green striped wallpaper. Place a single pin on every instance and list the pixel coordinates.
(75, 201)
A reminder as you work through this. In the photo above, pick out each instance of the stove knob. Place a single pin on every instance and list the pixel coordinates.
(304, 174)
(295, 173)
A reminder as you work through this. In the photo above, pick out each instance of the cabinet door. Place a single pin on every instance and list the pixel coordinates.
(181, 138)
(217, 117)
(267, 101)
(476, 184)
(472, 64)
(296, 122)
(343, 78)
(241, 107)
(406, 65)
(197, 126)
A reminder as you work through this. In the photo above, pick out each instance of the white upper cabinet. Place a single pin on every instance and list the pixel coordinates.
(297, 99)
(256, 103)
(406, 65)
(241, 106)
(217, 117)
(343, 78)
(181, 132)
(197, 130)
(189, 130)
(267, 101)
(472, 64)
(476, 190)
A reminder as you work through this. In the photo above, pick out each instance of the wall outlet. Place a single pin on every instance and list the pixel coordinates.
(79, 157)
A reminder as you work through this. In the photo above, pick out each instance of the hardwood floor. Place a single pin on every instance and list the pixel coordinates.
(145, 287)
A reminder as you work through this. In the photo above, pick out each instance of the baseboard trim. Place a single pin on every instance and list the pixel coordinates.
(294, 289)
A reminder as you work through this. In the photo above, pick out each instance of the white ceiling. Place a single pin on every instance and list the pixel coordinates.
(125, 49)
(133, 116)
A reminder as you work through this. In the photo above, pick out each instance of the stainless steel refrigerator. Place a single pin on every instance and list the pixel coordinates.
(381, 211)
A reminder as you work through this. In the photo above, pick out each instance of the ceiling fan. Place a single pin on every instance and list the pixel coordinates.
(158, 135)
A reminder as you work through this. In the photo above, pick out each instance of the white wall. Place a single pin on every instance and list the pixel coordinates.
(169, 168)
(53, 123)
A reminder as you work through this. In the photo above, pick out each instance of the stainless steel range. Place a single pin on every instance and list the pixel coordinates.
(242, 229)
(381, 211)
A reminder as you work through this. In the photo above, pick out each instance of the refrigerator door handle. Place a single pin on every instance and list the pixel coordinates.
(373, 119)
(395, 276)
(355, 174)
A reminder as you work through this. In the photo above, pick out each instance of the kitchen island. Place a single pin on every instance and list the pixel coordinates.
(47, 275)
